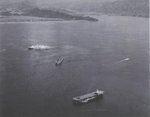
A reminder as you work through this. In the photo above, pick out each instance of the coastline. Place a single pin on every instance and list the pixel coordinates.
(40, 19)
(26, 19)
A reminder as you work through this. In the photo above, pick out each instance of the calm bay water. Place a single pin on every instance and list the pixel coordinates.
(32, 86)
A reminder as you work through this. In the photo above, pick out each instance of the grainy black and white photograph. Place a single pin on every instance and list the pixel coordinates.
(74, 58)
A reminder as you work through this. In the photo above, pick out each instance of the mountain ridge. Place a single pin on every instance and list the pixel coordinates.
(45, 13)
(136, 8)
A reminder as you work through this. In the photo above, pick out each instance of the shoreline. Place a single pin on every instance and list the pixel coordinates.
(27, 19)
(7, 19)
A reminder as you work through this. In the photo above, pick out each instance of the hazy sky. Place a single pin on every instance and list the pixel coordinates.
(67, 4)
(52, 1)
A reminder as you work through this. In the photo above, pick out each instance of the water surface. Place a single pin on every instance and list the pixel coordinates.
(94, 53)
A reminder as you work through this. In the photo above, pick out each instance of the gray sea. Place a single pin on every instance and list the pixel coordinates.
(110, 55)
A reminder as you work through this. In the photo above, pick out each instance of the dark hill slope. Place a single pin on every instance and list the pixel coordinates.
(45, 13)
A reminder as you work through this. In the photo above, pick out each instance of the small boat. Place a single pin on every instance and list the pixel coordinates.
(59, 61)
(39, 47)
(88, 97)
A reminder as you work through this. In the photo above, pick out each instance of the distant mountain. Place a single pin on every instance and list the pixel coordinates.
(28, 9)
(45, 13)
(138, 8)
(65, 10)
